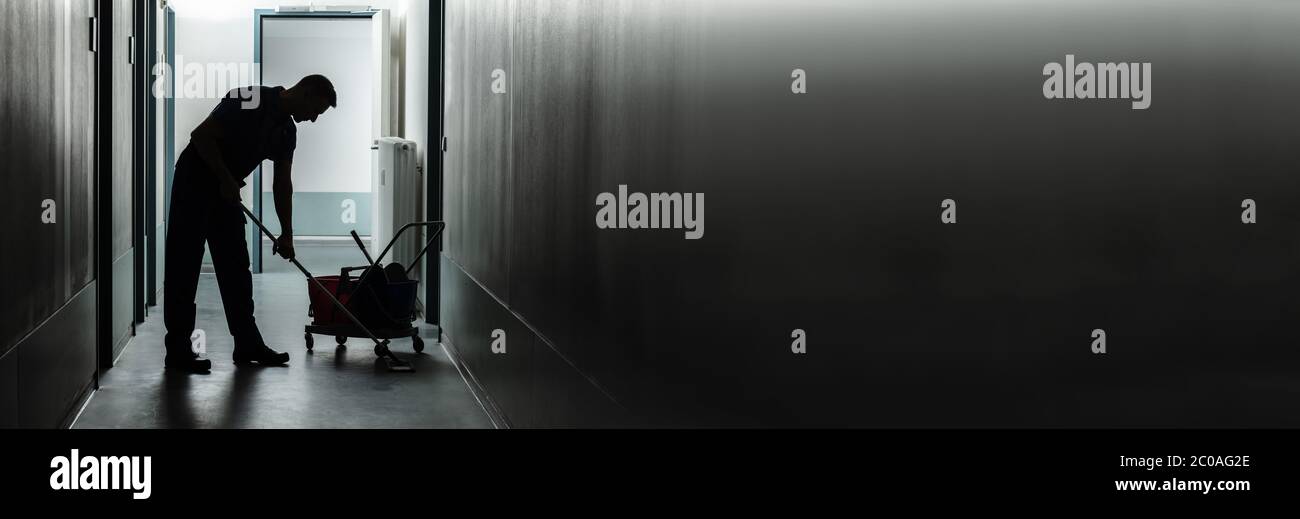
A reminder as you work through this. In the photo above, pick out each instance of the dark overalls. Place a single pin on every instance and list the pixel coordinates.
(198, 215)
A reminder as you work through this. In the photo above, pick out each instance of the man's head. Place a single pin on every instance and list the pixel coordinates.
(312, 96)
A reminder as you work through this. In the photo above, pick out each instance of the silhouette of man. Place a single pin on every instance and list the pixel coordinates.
(248, 126)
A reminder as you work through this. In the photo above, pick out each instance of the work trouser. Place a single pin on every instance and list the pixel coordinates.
(198, 215)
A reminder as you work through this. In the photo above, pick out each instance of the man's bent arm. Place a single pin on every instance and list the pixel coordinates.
(282, 185)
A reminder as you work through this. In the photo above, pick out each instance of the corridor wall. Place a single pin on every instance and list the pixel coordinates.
(47, 334)
(888, 185)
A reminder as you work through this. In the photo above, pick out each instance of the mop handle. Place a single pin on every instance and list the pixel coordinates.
(319, 286)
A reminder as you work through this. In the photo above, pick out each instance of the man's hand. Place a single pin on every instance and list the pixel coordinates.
(284, 246)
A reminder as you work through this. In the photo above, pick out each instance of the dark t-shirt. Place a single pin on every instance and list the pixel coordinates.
(254, 131)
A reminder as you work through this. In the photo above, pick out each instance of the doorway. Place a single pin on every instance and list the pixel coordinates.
(332, 180)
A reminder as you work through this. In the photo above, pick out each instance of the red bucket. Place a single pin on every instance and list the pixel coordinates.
(323, 309)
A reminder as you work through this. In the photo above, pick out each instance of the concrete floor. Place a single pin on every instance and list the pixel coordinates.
(344, 388)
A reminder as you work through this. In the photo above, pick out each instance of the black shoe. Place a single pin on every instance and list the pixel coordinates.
(261, 355)
(187, 363)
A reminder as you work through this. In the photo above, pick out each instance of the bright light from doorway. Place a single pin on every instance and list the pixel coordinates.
(207, 9)
(228, 9)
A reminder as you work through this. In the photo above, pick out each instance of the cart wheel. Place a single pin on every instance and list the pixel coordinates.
(307, 337)
(340, 339)
(417, 343)
(381, 350)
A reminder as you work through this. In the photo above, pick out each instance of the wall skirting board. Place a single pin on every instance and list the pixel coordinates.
(123, 277)
(47, 375)
(9, 389)
(530, 384)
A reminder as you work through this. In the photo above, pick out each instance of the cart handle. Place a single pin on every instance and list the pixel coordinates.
(442, 225)
(362, 246)
(420, 256)
(393, 241)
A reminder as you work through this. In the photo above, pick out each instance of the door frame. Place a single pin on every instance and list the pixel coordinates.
(433, 185)
(259, 16)
(149, 151)
(169, 117)
(103, 186)
(141, 183)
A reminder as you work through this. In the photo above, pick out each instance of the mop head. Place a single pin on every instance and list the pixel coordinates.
(398, 365)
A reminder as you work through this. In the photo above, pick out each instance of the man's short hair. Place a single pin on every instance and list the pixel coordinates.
(317, 85)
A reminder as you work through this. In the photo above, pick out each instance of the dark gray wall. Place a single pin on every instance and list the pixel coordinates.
(823, 211)
(47, 152)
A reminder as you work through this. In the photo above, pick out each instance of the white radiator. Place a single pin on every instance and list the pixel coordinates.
(398, 186)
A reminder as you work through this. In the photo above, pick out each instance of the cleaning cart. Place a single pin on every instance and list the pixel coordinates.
(379, 304)
(382, 297)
